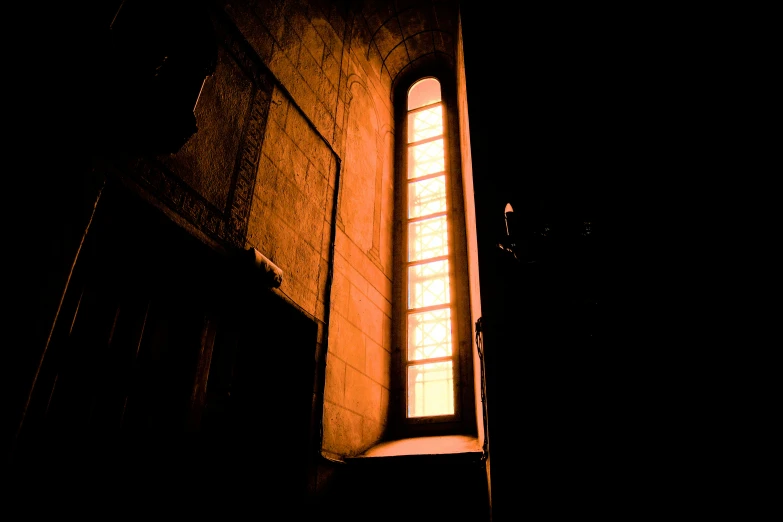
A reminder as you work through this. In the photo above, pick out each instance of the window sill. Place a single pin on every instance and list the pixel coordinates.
(425, 446)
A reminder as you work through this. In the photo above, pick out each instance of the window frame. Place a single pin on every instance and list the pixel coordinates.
(462, 421)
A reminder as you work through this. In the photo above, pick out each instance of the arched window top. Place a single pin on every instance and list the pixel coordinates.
(423, 92)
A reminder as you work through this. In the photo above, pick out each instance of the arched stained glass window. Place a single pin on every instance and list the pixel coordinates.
(430, 351)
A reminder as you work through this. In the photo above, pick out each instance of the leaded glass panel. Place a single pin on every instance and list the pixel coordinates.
(428, 238)
(429, 334)
(425, 124)
(427, 197)
(430, 389)
(428, 284)
(426, 158)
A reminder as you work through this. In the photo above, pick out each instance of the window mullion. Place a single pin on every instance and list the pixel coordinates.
(425, 140)
(445, 358)
(428, 216)
(447, 257)
(427, 176)
(429, 308)
(425, 107)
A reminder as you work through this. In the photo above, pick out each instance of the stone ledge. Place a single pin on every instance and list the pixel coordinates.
(439, 445)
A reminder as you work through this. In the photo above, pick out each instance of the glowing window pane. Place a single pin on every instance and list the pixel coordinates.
(427, 158)
(427, 197)
(429, 334)
(428, 284)
(428, 238)
(423, 93)
(430, 389)
(425, 124)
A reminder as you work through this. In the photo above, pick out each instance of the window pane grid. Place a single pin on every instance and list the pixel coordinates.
(430, 389)
(429, 216)
(428, 238)
(424, 141)
(427, 176)
(430, 350)
(425, 309)
(429, 259)
(425, 123)
(427, 196)
(425, 107)
(429, 334)
(426, 158)
(428, 284)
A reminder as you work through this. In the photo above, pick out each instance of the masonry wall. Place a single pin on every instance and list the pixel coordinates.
(292, 156)
(329, 128)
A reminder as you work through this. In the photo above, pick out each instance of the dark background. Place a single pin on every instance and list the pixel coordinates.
(599, 391)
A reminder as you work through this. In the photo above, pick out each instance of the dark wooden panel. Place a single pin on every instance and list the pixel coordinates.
(171, 370)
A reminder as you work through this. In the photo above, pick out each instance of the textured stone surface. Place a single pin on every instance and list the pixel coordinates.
(325, 95)
(362, 394)
(378, 363)
(206, 161)
(301, 88)
(372, 431)
(335, 375)
(348, 341)
(342, 430)
(359, 168)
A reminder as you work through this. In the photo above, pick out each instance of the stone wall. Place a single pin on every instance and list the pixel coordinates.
(330, 128)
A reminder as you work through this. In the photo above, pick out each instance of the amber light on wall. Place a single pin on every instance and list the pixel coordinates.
(430, 364)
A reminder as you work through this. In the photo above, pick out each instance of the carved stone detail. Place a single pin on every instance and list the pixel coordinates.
(227, 225)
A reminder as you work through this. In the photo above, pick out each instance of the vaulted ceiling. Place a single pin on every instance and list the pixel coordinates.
(400, 33)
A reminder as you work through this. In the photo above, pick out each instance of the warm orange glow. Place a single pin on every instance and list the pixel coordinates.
(428, 238)
(427, 197)
(430, 389)
(423, 92)
(429, 320)
(429, 334)
(426, 158)
(428, 284)
(426, 123)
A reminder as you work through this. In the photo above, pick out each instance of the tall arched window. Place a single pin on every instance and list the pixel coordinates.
(432, 370)
(430, 354)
